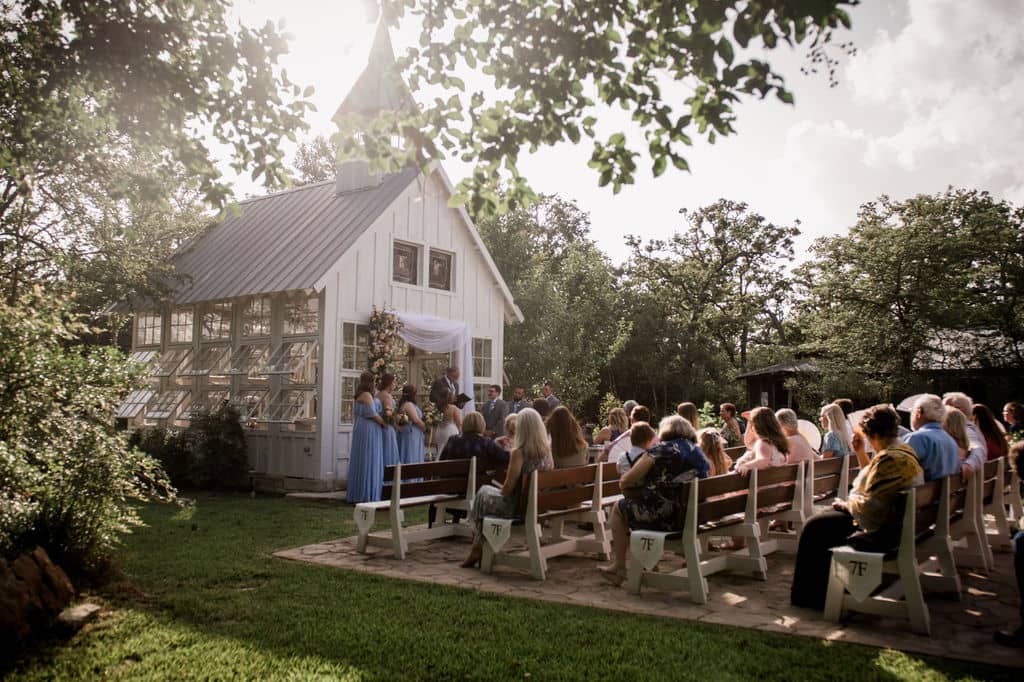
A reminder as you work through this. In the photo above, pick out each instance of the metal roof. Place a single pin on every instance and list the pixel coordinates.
(282, 242)
(782, 368)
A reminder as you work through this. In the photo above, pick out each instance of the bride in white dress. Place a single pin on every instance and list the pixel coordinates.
(451, 423)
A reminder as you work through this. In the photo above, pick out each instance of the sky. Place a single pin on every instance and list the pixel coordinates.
(933, 97)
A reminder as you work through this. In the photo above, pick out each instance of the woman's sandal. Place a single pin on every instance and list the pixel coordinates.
(613, 576)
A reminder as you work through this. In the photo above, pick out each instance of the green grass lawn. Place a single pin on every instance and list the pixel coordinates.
(204, 598)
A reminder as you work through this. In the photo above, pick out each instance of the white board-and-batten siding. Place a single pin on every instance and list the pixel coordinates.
(362, 279)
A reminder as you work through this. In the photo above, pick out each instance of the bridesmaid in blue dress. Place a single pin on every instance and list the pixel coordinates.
(366, 458)
(387, 384)
(410, 438)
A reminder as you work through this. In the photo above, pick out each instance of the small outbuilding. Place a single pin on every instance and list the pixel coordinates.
(273, 315)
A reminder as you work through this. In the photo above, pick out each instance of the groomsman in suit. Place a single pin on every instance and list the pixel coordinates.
(450, 380)
(494, 411)
(519, 400)
(549, 395)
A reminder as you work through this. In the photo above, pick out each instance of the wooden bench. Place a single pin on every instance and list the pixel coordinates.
(922, 508)
(446, 484)
(1011, 492)
(824, 482)
(993, 502)
(968, 530)
(729, 505)
(735, 452)
(940, 574)
(553, 497)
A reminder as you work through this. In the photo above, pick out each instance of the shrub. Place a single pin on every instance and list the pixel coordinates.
(67, 478)
(210, 453)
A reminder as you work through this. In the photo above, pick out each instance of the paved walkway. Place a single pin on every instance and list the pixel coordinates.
(959, 629)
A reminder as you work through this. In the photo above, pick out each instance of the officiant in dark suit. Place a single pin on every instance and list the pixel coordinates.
(494, 411)
(449, 381)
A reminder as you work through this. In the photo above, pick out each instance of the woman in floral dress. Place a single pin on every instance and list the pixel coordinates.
(660, 473)
(532, 452)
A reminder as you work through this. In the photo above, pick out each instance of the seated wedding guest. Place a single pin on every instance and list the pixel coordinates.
(955, 424)
(977, 453)
(628, 406)
(473, 443)
(660, 472)
(531, 453)
(731, 430)
(568, 446)
(713, 446)
(641, 437)
(991, 431)
(1013, 415)
(870, 519)
(1015, 638)
(614, 449)
(937, 452)
(846, 405)
(510, 433)
(618, 424)
(541, 407)
(799, 449)
(770, 447)
(688, 411)
(836, 442)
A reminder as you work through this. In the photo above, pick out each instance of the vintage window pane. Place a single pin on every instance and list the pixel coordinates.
(355, 346)
(216, 322)
(181, 326)
(289, 357)
(210, 358)
(134, 403)
(164, 404)
(147, 329)
(208, 401)
(170, 360)
(405, 264)
(247, 358)
(348, 395)
(250, 404)
(288, 405)
(482, 363)
(440, 270)
(306, 371)
(480, 394)
(301, 314)
(256, 317)
(145, 357)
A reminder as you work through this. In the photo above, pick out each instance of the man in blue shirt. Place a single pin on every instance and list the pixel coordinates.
(936, 450)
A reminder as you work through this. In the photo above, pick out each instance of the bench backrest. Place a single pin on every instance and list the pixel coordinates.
(718, 496)
(849, 472)
(929, 501)
(992, 475)
(736, 451)
(445, 477)
(779, 488)
(610, 479)
(824, 477)
(564, 488)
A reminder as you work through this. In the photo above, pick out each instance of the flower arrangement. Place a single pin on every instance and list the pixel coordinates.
(432, 416)
(392, 418)
(384, 328)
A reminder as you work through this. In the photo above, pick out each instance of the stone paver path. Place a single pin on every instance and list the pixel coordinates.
(959, 629)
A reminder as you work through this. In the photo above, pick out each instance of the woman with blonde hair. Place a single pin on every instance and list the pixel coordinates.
(531, 452)
(568, 446)
(509, 438)
(713, 445)
(955, 424)
(618, 423)
(837, 440)
(688, 411)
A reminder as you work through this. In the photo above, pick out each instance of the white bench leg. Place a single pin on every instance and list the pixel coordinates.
(835, 596)
(398, 544)
(917, 610)
(697, 583)
(538, 565)
(634, 575)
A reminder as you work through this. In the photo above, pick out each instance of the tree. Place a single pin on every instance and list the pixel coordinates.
(567, 290)
(110, 102)
(316, 161)
(722, 282)
(561, 63)
(926, 282)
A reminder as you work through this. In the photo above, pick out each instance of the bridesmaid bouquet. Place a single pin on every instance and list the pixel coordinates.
(392, 418)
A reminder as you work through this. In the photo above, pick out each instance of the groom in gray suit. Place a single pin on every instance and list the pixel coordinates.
(494, 411)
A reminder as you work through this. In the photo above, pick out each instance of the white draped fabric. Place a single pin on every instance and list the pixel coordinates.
(442, 336)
